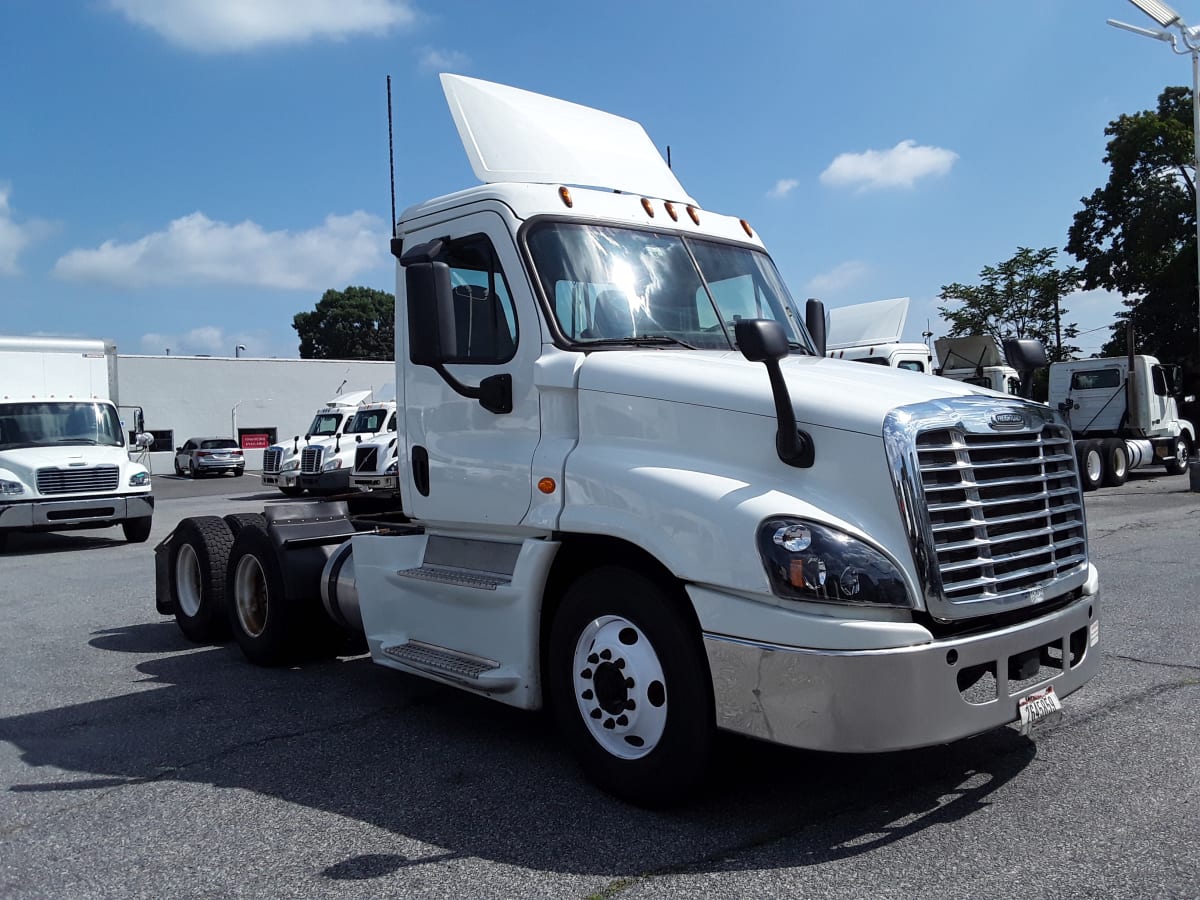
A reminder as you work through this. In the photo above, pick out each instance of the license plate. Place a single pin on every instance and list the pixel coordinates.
(1039, 708)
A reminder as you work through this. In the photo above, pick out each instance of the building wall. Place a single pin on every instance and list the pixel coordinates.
(199, 396)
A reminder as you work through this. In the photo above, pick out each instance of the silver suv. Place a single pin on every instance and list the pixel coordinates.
(202, 455)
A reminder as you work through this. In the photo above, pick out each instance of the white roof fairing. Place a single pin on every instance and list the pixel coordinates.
(512, 135)
(865, 324)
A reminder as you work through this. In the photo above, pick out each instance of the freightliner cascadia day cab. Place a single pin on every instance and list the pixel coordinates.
(639, 494)
(325, 467)
(282, 461)
(64, 455)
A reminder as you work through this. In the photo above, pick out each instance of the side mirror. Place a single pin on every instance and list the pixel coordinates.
(814, 319)
(764, 341)
(431, 324)
(761, 339)
(1026, 355)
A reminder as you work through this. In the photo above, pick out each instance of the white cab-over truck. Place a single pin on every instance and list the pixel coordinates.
(325, 466)
(64, 456)
(281, 462)
(1123, 413)
(635, 490)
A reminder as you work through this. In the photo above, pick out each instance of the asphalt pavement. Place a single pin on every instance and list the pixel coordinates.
(136, 764)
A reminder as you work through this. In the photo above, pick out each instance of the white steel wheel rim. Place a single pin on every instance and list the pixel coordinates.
(188, 585)
(250, 596)
(1120, 462)
(1095, 465)
(1181, 452)
(619, 687)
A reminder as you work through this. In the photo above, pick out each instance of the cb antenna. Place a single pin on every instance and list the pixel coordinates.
(668, 156)
(391, 158)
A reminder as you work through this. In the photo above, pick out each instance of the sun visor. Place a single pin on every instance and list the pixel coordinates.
(865, 324)
(512, 135)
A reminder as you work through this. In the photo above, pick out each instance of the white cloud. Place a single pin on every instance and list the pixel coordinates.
(783, 187)
(16, 236)
(435, 60)
(900, 166)
(840, 277)
(195, 249)
(213, 26)
(209, 340)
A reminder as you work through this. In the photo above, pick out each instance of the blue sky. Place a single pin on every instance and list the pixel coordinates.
(189, 174)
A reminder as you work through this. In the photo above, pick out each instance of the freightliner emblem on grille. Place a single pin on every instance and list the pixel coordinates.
(1005, 420)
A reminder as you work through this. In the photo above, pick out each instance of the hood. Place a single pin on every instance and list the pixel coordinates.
(25, 460)
(830, 392)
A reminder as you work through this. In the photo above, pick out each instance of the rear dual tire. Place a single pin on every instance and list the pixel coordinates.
(198, 558)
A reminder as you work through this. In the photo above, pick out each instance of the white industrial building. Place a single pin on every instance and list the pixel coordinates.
(255, 401)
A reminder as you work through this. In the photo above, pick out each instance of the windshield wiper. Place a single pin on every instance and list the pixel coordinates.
(642, 340)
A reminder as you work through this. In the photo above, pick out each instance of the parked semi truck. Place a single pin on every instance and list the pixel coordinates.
(64, 455)
(979, 360)
(281, 462)
(635, 491)
(377, 463)
(325, 466)
(1124, 415)
(871, 332)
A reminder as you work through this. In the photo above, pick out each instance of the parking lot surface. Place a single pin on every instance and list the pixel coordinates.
(136, 764)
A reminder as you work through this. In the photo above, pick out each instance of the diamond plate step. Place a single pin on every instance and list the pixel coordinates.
(486, 581)
(440, 660)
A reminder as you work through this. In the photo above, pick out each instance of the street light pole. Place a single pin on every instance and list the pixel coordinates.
(1166, 18)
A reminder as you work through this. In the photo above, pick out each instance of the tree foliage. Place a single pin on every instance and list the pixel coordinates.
(1136, 235)
(357, 323)
(1018, 298)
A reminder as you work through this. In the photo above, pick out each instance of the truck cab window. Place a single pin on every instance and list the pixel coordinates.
(484, 317)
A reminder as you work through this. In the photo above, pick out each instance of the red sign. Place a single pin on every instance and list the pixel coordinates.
(252, 441)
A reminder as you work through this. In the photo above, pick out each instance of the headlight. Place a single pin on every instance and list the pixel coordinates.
(332, 465)
(807, 561)
(392, 469)
(141, 479)
(293, 463)
(11, 487)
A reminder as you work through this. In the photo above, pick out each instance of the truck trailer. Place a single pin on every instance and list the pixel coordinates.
(64, 453)
(635, 492)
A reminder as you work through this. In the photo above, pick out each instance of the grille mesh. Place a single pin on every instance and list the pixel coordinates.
(1005, 510)
(310, 460)
(66, 481)
(272, 458)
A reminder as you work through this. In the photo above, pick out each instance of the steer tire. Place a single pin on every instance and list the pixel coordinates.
(1178, 464)
(270, 627)
(137, 531)
(196, 577)
(1091, 464)
(1116, 462)
(629, 685)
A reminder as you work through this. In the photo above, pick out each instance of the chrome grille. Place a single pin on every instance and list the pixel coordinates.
(365, 459)
(996, 516)
(272, 459)
(310, 460)
(68, 481)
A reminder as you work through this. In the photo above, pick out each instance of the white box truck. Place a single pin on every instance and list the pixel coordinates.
(64, 454)
(1124, 415)
(635, 491)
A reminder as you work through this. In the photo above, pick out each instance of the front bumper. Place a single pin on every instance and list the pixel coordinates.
(375, 482)
(337, 480)
(74, 512)
(867, 701)
(280, 479)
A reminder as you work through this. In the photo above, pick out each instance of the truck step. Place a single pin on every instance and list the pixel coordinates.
(486, 581)
(465, 668)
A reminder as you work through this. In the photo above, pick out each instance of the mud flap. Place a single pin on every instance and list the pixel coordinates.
(162, 587)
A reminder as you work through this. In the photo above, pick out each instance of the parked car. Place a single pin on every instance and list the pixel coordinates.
(201, 455)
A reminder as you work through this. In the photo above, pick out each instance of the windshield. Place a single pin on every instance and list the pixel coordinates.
(619, 285)
(367, 421)
(324, 425)
(34, 424)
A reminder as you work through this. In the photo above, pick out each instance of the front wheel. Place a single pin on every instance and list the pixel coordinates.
(630, 687)
(1179, 463)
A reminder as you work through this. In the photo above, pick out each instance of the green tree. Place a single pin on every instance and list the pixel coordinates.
(1019, 298)
(1136, 235)
(357, 323)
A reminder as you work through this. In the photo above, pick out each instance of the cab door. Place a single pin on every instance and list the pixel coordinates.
(467, 464)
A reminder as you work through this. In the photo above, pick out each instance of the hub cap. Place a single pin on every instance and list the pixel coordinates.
(619, 687)
(250, 597)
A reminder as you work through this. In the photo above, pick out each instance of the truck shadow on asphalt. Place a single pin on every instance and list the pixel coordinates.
(42, 543)
(476, 778)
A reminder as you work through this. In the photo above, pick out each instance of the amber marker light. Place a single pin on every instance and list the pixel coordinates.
(746, 228)
(694, 214)
(547, 485)
(648, 207)
(670, 207)
(566, 197)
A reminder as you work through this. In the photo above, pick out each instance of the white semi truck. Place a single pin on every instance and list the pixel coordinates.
(979, 360)
(377, 464)
(871, 332)
(64, 455)
(1124, 415)
(281, 462)
(635, 491)
(325, 466)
